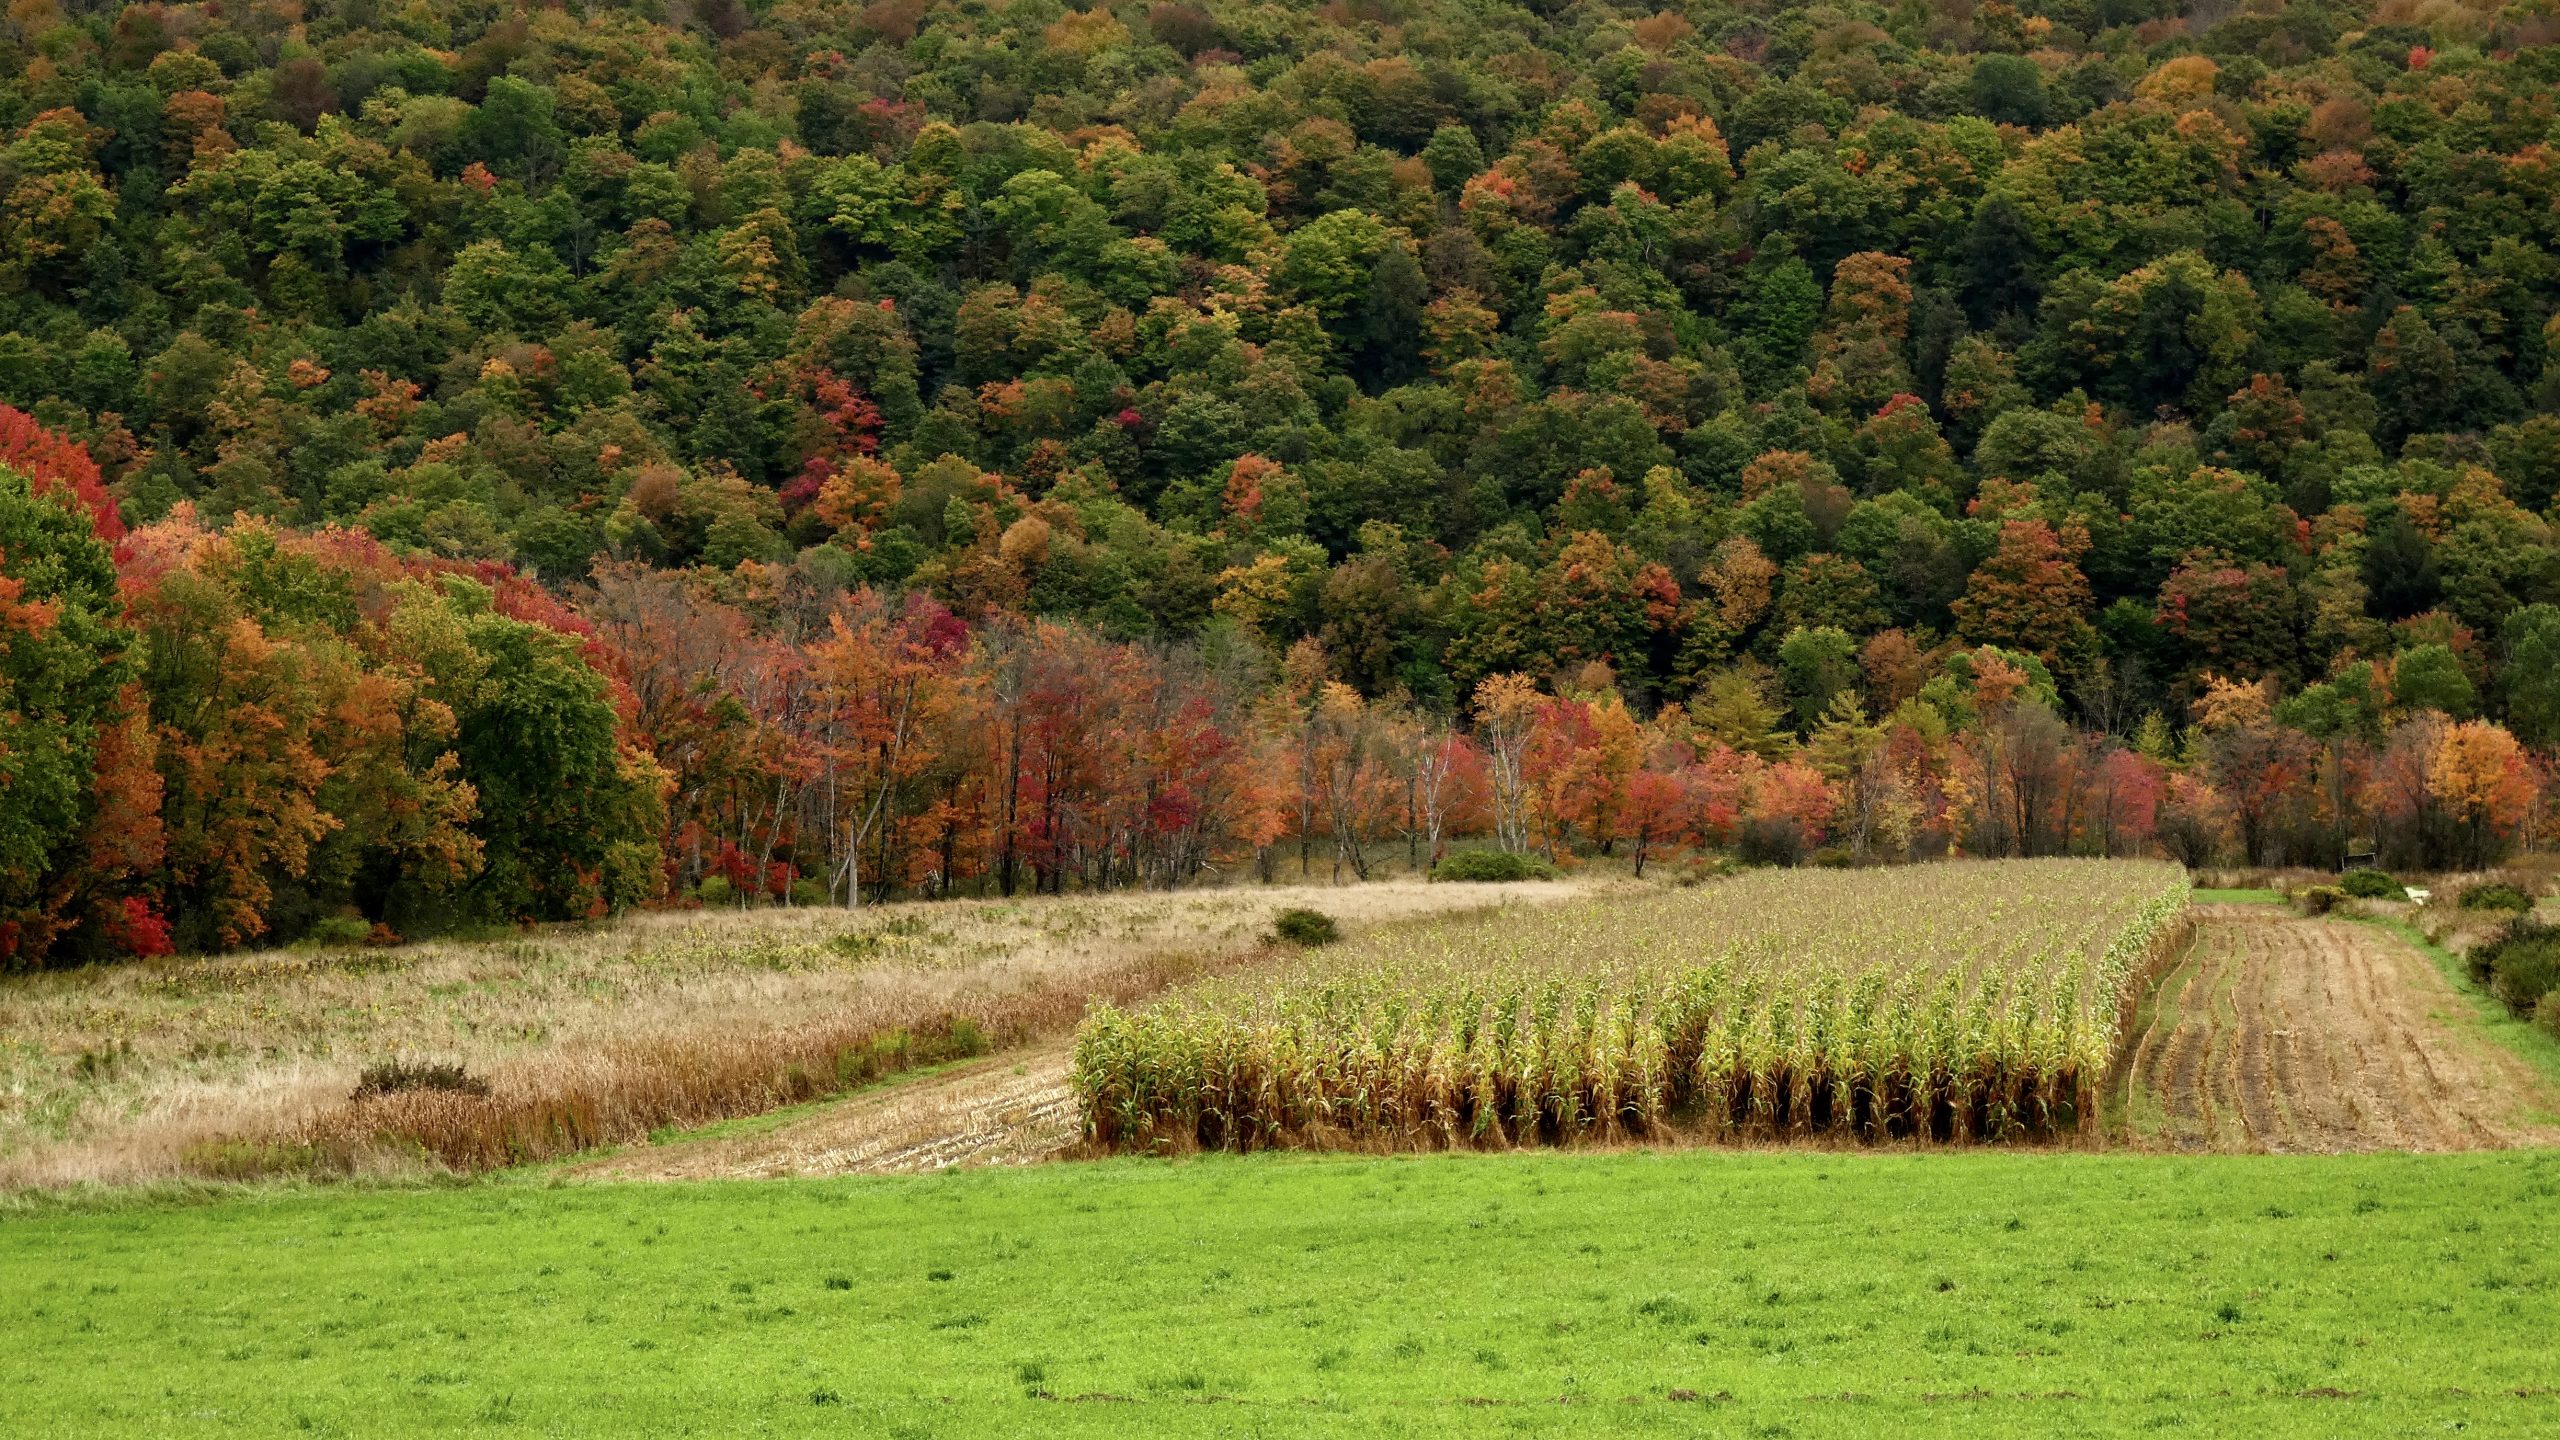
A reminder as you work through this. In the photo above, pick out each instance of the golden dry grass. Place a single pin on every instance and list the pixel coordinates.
(587, 1034)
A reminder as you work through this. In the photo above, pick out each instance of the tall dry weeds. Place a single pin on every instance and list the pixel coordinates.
(246, 1064)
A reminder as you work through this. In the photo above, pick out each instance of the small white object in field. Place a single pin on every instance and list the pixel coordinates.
(2419, 895)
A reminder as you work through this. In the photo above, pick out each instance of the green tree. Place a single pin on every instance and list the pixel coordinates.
(1329, 262)
(1780, 306)
(2007, 89)
(514, 130)
(64, 652)
(2430, 677)
(569, 822)
(1817, 665)
(1453, 158)
(2530, 645)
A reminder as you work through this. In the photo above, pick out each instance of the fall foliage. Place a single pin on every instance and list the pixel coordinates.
(546, 462)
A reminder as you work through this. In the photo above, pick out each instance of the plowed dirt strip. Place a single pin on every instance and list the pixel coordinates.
(1009, 1109)
(2285, 1034)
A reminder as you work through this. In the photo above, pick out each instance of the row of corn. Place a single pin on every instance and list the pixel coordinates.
(1958, 1002)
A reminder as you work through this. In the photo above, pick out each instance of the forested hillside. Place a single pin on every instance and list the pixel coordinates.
(484, 462)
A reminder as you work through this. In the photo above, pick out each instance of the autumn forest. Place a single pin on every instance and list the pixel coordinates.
(464, 463)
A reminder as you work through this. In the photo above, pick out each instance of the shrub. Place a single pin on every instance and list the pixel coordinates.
(809, 894)
(2373, 885)
(394, 1077)
(2320, 899)
(339, 930)
(1700, 869)
(1772, 842)
(714, 890)
(2496, 895)
(2524, 965)
(1491, 866)
(2546, 1013)
(1305, 928)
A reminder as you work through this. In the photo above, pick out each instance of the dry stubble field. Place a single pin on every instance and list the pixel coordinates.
(2286, 1034)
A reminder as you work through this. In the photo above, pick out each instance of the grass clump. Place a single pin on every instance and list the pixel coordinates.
(397, 1077)
(2373, 885)
(2320, 899)
(1956, 1002)
(1491, 867)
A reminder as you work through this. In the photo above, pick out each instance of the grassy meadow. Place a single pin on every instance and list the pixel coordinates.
(1797, 1294)
(585, 1034)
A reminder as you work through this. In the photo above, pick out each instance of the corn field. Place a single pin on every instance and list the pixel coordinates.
(1956, 1003)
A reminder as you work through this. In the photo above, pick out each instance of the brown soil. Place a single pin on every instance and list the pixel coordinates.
(2286, 1034)
(1008, 1109)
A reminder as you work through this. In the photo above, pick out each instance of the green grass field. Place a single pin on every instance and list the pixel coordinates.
(1801, 1294)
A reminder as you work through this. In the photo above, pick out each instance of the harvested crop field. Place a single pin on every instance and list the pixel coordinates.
(2278, 1033)
(1010, 1109)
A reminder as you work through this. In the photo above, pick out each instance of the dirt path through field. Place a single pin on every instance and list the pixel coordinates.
(1008, 1109)
(2285, 1034)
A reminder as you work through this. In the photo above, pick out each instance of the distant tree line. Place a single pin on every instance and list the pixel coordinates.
(1722, 351)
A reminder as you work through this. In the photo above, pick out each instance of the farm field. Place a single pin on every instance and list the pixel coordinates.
(795, 1273)
(1960, 1002)
(2277, 1032)
(145, 1071)
(2267, 1032)
(1702, 1291)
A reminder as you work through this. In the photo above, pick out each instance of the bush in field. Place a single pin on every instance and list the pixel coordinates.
(337, 931)
(2523, 965)
(2496, 895)
(394, 1077)
(1953, 1002)
(2320, 899)
(2373, 885)
(2546, 1013)
(1305, 928)
(1492, 866)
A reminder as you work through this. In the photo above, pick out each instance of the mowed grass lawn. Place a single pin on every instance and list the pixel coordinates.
(1806, 1294)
